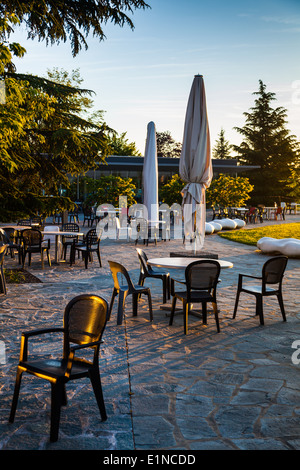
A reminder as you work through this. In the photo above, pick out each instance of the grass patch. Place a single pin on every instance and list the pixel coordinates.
(251, 236)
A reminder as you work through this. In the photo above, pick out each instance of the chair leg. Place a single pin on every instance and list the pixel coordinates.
(114, 294)
(204, 313)
(164, 289)
(186, 308)
(280, 301)
(259, 308)
(215, 307)
(236, 303)
(168, 287)
(48, 257)
(121, 306)
(3, 281)
(135, 304)
(16, 395)
(150, 305)
(56, 401)
(141, 283)
(86, 259)
(99, 258)
(97, 387)
(172, 310)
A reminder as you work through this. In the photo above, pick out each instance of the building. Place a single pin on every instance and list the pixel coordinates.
(132, 167)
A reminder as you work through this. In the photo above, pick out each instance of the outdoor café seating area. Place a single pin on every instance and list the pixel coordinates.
(173, 307)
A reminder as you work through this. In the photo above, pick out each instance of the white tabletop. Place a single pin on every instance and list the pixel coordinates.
(58, 232)
(182, 263)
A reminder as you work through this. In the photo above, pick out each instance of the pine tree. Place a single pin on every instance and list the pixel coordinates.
(222, 148)
(268, 144)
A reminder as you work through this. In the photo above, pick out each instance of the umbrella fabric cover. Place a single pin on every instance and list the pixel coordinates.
(150, 174)
(195, 166)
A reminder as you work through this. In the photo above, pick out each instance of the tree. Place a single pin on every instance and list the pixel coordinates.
(119, 145)
(222, 148)
(43, 140)
(108, 189)
(58, 20)
(170, 193)
(268, 144)
(166, 145)
(228, 191)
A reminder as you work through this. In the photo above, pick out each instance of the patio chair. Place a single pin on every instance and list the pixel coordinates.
(68, 240)
(88, 216)
(124, 230)
(85, 318)
(32, 241)
(90, 245)
(7, 237)
(148, 271)
(3, 249)
(272, 274)
(201, 279)
(123, 290)
(141, 226)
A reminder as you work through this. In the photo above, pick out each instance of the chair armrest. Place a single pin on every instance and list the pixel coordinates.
(241, 276)
(28, 334)
(71, 356)
(173, 284)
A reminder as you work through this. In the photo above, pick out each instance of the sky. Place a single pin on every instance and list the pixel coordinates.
(146, 74)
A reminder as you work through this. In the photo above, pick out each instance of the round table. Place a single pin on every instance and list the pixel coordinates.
(182, 263)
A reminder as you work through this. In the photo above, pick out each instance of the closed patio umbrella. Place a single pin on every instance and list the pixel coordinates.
(150, 175)
(195, 166)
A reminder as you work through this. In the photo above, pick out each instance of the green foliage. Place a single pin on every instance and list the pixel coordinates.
(222, 147)
(108, 189)
(170, 193)
(58, 20)
(251, 236)
(268, 144)
(119, 145)
(43, 139)
(228, 191)
(167, 146)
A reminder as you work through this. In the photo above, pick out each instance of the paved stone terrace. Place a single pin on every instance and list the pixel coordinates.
(236, 390)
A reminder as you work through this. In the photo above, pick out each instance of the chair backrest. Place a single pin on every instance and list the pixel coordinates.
(273, 270)
(202, 275)
(143, 261)
(142, 228)
(70, 227)
(3, 249)
(10, 234)
(85, 319)
(93, 237)
(31, 237)
(117, 270)
(3, 237)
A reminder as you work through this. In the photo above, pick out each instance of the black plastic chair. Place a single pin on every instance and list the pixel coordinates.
(3, 249)
(8, 237)
(201, 279)
(85, 318)
(32, 241)
(90, 245)
(123, 291)
(88, 216)
(142, 230)
(148, 271)
(272, 274)
(68, 240)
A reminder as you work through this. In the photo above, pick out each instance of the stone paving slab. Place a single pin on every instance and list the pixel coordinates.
(233, 390)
